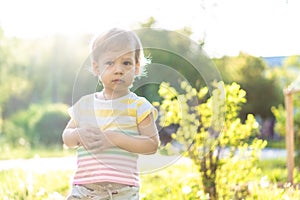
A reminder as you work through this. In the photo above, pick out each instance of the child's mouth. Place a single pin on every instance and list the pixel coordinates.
(117, 81)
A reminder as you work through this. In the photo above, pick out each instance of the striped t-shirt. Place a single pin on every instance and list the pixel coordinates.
(122, 115)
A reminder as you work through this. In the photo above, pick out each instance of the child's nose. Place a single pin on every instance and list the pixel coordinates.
(118, 68)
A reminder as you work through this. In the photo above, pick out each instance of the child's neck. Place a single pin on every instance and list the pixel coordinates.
(109, 95)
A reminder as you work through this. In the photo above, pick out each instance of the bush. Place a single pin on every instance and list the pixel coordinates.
(14, 135)
(38, 125)
(207, 127)
(49, 124)
(16, 128)
(49, 127)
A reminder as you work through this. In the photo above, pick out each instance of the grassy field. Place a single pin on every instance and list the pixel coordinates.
(178, 181)
(19, 184)
(8, 152)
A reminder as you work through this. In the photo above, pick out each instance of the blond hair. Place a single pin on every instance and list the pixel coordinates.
(121, 41)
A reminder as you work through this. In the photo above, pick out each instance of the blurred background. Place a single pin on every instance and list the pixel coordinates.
(43, 45)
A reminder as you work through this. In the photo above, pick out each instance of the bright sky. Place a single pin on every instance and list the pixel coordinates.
(257, 27)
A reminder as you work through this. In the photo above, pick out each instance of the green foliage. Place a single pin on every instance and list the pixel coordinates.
(38, 125)
(209, 126)
(149, 23)
(170, 49)
(280, 115)
(12, 83)
(40, 70)
(179, 181)
(276, 171)
(251, 73)
(49, 126)
(287, 74)
(238, 171)
(280, 126)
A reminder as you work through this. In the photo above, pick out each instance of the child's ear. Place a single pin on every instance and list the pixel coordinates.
(137, 68)
(96, 68)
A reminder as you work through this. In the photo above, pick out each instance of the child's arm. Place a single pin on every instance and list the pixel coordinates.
(146, 143)
(70, 136)
(90, 137)
(94, 140)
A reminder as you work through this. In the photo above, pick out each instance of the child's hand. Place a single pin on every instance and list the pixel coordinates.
(93, 139)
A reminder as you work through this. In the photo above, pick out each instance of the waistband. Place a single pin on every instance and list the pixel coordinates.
(102, 190)
(104, 186)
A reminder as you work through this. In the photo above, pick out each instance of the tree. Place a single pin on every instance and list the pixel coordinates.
(206, 127)
(150, 22)
(53, 65)
(263, 91)
(169, 49)
(38, 125)
(286, 75)
(12, 83)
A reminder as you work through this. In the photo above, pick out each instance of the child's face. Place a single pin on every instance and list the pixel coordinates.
(117, 72)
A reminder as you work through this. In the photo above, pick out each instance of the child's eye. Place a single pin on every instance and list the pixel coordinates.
(109, 63)
(127, 63)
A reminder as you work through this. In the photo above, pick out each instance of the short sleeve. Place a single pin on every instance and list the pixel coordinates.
(72, 113)
(144, 108)
(75, 110)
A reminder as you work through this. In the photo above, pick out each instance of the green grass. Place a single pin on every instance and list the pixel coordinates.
(8, 152)
(277, 144)
(33, 185)
(179, 181)
(276, 170)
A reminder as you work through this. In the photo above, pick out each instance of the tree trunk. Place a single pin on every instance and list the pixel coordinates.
(208, 171)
